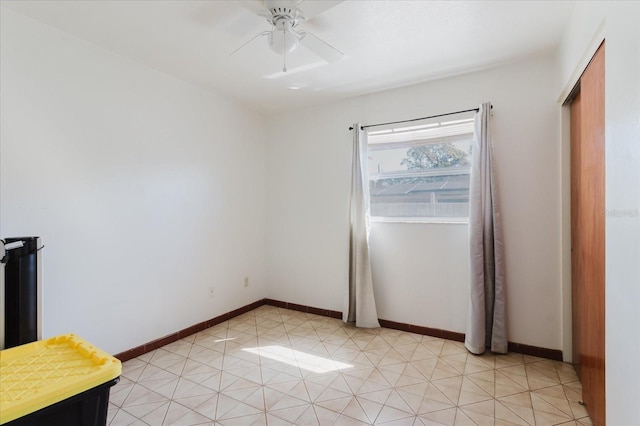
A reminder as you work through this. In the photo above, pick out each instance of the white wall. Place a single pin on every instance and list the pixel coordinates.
(145, 190)
(421, 270)
(619, 24)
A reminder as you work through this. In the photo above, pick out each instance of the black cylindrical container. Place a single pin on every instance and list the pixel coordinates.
(21, 292)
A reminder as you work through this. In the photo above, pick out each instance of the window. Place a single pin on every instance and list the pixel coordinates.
(421, 173)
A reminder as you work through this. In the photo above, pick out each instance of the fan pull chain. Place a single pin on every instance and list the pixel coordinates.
(284, 52)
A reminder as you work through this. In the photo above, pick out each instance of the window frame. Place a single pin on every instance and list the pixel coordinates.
(391, 131)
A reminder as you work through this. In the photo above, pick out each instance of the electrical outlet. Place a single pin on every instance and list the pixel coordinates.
(211, 292)
(246, 282)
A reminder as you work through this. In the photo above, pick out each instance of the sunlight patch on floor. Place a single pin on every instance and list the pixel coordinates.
(299, 359)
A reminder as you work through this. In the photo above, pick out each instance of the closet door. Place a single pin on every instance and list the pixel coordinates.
(588, 235)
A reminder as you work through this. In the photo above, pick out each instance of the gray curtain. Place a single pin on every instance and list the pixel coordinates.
(361, 305)
(486, 322)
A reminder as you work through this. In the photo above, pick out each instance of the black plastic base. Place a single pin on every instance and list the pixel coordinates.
(88, 408)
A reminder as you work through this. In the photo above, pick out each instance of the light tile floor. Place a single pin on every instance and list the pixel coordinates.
(275, 366)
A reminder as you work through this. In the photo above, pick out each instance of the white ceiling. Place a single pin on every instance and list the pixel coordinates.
(386, 43)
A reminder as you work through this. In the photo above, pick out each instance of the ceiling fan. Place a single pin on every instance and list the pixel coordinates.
(285, 35)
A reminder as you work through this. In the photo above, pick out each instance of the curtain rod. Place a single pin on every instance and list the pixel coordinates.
(418, 119)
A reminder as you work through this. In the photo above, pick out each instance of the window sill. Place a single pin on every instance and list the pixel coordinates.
(432, 220)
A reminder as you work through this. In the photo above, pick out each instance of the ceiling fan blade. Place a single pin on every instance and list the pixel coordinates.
(263, 33)
(311, 8)
(320, 47)
(247, 23)
(253, 6)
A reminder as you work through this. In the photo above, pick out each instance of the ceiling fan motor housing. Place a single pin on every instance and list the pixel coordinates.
(286, 14)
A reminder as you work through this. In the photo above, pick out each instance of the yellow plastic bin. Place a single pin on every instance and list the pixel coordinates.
(63, 380)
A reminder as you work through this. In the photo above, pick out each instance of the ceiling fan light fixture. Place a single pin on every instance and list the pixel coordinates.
(283, 39)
